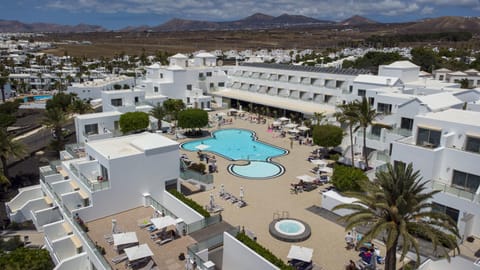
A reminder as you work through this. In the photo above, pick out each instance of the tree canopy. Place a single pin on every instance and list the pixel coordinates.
(347, 178)
(327, 135)
(192, 118)
(173, 107)
(133, 121)
(24, 258)
(60, 100)
(372, 60)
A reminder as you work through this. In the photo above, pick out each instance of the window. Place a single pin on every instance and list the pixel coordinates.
(465, 181)
(136, 100)
(104, 172)
(384, 108)
(188, 100)
(161, 75)
(221, 84)
(155, 89)
(116, 102)
(200, 75)
(189, 87)
(362, 92)
(209, 74)
(376, 130)
(473, 144)
(440, 77)
(350, 89)
(451, 212)
(91, 129)
(212, 85)
(428, 138)
(406, 123)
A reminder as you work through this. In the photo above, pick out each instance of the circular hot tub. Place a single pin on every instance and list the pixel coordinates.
(290, 230)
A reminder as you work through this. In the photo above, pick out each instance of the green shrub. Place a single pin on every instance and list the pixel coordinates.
(346, 178)
(192, 118)
(133, 121)
(191, 203)
(198, 167)
(260, 250)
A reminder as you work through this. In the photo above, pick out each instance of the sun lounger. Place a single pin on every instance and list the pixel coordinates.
(120, 258)
(241, 203)
(233, 199)
(148, 266)
(164, 241)
(142, 223)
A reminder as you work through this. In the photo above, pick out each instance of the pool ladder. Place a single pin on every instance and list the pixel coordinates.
(281, 215)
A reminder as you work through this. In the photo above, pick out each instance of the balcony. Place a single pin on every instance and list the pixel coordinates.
(461, 193)
(93, 182)
(402, 132)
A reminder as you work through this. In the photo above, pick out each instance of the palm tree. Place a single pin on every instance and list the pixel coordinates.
(9, 148)
(55, 118)
(347, 115)
(318, 117)
(80, 106)
(158, 112)
(365, 115)
(397, 208)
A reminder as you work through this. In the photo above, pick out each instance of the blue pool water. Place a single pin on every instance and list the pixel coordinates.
(240, 144)
(36, 98)
(289, 227)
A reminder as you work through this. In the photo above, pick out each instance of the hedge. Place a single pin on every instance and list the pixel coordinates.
(193, 204)
(260, 250)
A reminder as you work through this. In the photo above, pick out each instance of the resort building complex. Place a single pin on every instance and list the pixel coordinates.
(432, 123)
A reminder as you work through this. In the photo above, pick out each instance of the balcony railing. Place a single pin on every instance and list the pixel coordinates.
(92, 185)
(211, 243)
(461, 193)
(402, 132)
(190, 174)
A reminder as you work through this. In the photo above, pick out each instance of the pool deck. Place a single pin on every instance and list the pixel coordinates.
(265, 198)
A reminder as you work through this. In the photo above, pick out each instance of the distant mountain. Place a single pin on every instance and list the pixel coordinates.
(16, 26)
(446, 23)
(357, 20)
(255, 21)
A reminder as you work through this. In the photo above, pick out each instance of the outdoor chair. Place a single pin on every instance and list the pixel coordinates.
(120, 258)
(233, 199)
(164, 241)
(151, 228)
(241, 203)
(148, 266)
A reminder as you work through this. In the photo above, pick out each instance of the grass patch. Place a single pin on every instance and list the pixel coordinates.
(193, 204)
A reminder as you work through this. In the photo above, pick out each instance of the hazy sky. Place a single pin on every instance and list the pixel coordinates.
(115, 14)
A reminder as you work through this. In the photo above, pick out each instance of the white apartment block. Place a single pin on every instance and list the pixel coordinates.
(445, 148)
(287, 88)
(446, 75)
(103, 178)
(92, 89)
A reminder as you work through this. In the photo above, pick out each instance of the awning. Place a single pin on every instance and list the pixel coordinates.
(300, 253)
(303, 128)
(291, 125)
(138, 252)
(276, 123)
(124, 238)
(283, 119)
(163, 222)
(294, 130)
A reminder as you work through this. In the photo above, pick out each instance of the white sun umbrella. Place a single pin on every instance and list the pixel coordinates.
(233, 110)
(276, 123)
(291, 125)
(306, 178)
(202, 146)
(283, 119)
(294, 130)
(222, 189)
(326, 170)
(114, 226)
(212, 201)
(303, 128)
(221, 114)
(242, 193)
(300, 253)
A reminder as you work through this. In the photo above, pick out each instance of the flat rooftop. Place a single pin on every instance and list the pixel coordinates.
(98, 115)
(469, 118)
(131, 145)
(331, 70)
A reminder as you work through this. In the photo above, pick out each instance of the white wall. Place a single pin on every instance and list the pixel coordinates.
(330, 199)
(457, 262)
(179, 208)
(78, 262)
(237, 256)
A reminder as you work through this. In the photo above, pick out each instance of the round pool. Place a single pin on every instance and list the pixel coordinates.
(257, 170)
(290, 230)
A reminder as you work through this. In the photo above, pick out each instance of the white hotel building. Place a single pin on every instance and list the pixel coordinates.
(445, 148)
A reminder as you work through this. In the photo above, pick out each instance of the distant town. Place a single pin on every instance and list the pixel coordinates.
(362, 156)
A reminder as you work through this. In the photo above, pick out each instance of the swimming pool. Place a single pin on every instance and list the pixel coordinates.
(36, 98)
(290, 230)
(241, 144)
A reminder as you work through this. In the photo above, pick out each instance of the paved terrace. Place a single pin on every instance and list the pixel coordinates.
(267, 197)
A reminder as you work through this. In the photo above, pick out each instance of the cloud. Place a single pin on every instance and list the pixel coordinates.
(427, 10)
(227, 10)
